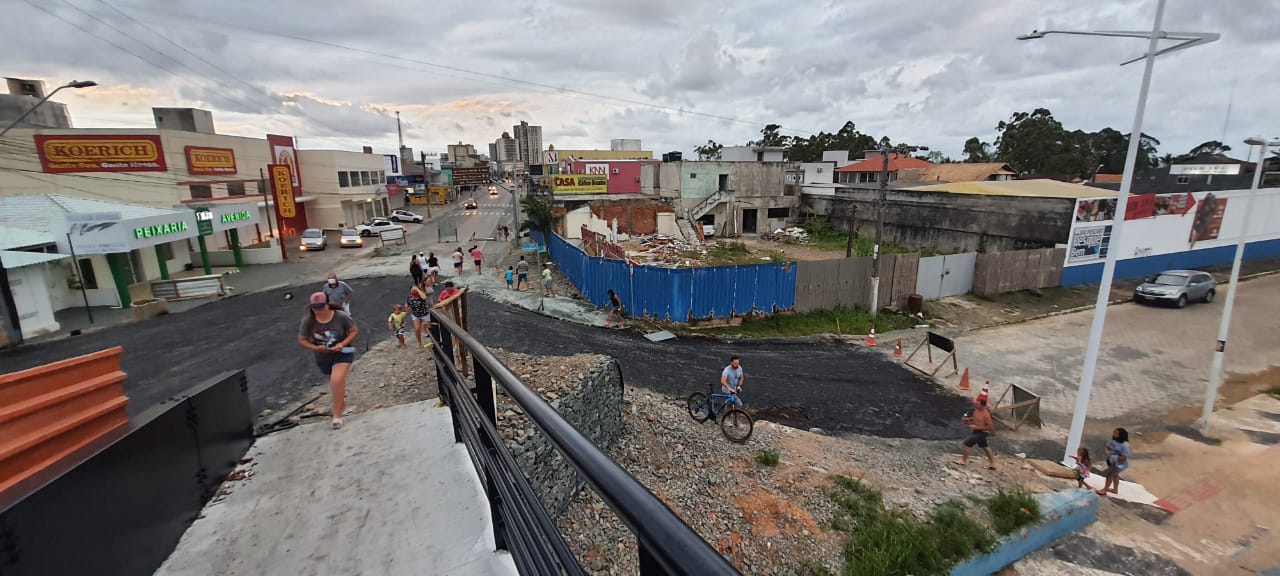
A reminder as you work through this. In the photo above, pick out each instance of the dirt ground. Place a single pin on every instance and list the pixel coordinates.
(763, 248)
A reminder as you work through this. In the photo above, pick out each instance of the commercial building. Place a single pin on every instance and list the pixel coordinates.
(625, 144)
(347, 187)
(528, 142)
(23, 94)
(736, 197)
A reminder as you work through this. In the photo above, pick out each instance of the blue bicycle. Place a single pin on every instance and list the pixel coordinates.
(734, 421)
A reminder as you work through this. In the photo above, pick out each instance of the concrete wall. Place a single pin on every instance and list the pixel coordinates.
(818, 172)
(595, 410)
(749, 154)
(1061, 514)
(661, 179)
(950, 222)
(634, 217)
(49, 115)
(250, 256)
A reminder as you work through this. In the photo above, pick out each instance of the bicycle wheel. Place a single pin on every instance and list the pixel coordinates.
(737, 425)
(699, 407)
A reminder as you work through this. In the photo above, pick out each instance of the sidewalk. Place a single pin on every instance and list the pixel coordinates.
(493, 286)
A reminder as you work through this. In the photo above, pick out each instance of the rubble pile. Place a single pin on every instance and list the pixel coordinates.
(792, 235)
(660, 250)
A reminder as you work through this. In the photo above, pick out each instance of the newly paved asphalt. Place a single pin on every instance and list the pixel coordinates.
(835, 387)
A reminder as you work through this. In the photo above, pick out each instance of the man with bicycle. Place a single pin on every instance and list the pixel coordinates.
(731, 379)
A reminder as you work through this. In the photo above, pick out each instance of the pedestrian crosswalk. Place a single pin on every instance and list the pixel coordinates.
(482, 211)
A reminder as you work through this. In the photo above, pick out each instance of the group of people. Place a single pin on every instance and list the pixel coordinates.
(517, 276)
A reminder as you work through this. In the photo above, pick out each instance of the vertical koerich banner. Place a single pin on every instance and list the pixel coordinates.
(282, 188)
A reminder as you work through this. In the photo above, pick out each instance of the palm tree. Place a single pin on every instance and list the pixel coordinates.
(538, 217)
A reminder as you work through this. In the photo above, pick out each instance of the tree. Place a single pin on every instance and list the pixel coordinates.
(538, 217)
(976, 151)
(769, 136)
(709, 151)
(1028, 140)
(936, 157)
(1210, 147)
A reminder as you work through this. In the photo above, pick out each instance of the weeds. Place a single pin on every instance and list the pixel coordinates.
(1012, 510)
(838, 321)
(1274, 392)
(767, 458)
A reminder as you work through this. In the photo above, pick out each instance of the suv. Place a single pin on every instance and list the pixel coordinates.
(1177, 287)
(376, 226)
(405, 216)
(312, 239)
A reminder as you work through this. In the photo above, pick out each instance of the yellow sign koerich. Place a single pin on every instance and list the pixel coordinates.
(282, 186)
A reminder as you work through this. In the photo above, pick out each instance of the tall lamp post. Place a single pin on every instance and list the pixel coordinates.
(881, 198)
(1215, 371)
(1185, 40)
(71, 84)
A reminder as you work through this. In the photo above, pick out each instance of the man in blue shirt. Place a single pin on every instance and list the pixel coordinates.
(731, 379)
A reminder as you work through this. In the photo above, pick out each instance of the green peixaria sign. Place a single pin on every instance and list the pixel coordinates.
(233, 217)
(159, 230)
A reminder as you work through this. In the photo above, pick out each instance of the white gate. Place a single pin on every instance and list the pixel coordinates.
(942, 276)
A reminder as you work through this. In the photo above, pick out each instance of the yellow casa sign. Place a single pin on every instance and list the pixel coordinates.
(580, 184)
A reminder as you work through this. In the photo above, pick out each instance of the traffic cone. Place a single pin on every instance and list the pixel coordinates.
(964, 380)
(897, 349)
(871, 338)
(986, 388)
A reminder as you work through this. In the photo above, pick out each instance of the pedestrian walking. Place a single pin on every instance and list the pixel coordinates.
(395, 323)
(457, 261)
(433, 267)
(981, 426)
(546, 279)
(615, 310)
(415, 269)
(449, 291)
(419, 304)
(328, 332)
(338, 292)
(511, 277)
(477, 256)
(1118, 453)
(522, 273)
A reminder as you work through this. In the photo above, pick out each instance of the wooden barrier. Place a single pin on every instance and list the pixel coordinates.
(49, 411)
(934, 340)
(1023, 408)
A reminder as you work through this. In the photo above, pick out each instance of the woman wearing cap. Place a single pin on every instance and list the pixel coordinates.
(328, 332)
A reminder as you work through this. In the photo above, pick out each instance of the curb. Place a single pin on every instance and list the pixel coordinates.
(1062, 514)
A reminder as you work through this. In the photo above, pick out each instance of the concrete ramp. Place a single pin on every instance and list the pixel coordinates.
(390, 493)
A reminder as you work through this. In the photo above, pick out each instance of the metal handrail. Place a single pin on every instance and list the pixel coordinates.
(666, 545)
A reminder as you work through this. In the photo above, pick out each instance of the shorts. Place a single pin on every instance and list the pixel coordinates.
(326, 360)
(1115, 468)
(457, 266)
(977, 438)
(420, 318)
(433, 270)
(477, 262)
(398, 331)
(522, 278)
(546, 283)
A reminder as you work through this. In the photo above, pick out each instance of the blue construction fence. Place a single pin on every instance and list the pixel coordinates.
(678, 294)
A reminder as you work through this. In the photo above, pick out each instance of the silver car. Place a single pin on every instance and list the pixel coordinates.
(313, 239)
(1177, 287)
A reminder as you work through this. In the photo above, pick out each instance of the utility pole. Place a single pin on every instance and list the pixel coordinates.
(399, 133)
(881, 198)
(426, 186)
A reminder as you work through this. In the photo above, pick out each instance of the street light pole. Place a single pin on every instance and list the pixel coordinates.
(881, 198)
(1189, 39)
(71, 84)
(1215, 371)
(426, 186)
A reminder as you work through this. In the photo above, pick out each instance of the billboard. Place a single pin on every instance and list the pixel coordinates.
(282, 187)
(580, 184)
(1159, 224)
(476, 175)
(206, 161)
(282, 152)
(100, 153)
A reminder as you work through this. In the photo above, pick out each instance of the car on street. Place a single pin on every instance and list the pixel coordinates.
(350, 238)
(1177, 287)
(405, 216)
(376, 226)
(493, 192)
(312, 239)
(470, 204)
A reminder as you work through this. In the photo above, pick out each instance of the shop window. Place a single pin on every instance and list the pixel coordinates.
(235, 188)
(87, 275)
(165, 251)
(693, 175)
(343, 180)
(1184, 179)
(201, 191)
(364, 178)
(780, 213)
(137, 273)
(382, 176)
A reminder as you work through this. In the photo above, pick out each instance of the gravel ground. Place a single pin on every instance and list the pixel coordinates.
(386, 375)
(551, 376)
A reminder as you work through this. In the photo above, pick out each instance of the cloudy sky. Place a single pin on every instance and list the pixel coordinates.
(673, 73)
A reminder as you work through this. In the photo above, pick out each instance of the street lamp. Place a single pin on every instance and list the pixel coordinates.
(1215, 372)
(71, 84)
(1186, 40)
(881, 198)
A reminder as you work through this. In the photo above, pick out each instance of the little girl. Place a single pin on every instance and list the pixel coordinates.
(395, 323)
(1083, 465)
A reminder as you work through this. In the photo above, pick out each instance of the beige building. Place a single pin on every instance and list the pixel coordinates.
(348, 187)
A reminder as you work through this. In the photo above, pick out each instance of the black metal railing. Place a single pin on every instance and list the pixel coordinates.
(666, 545)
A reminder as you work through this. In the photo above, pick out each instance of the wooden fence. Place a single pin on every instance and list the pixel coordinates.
(1022, 270)
(846, 282)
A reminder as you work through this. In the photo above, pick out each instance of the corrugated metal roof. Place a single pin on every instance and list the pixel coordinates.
(14, 259)
(48, 212)
(1036, 188)
(14, 237)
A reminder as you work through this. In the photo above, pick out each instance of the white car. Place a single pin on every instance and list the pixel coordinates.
(350, 238)
(405, 216)
(376, 226)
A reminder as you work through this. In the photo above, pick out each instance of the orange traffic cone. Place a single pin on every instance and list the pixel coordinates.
(986, 389)
(964, 380)
(871, 338)
(897, 349)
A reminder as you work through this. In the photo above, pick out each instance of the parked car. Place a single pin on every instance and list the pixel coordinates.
(376, 226)
(350, 238)
(1177, 287)
(708, 230)
(470, 204)
(312, 239)
(405, 216)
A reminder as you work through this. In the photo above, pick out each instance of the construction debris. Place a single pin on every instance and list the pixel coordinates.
(792, 235)
(660, 250)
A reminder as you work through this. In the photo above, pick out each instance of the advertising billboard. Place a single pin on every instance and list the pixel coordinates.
(281, 186)
(476, 175)
(282, 152)
(206, 161)
(100, 153)
(579, 184)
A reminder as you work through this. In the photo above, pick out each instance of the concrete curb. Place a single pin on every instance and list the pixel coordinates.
(1061, 514)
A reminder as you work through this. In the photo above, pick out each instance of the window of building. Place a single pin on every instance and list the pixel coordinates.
(86, 274)
(780, 213)
(1184, 179)
(165, 251)
(382, 176)
(693, 174)
(235, 188)
(364, 178)
(201, 191)
(343, 180)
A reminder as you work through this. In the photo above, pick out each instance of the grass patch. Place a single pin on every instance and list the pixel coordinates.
(827, 236)
(768, 458)
(1274, 392)
(1012, 510)
(896, 542)
(838, 321)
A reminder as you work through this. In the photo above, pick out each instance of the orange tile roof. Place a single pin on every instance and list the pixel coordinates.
(1107, 177)
(896, 162)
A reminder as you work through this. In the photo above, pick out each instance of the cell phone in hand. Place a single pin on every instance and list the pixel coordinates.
(349, 350)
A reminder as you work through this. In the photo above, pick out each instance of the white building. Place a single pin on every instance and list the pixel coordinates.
(752, 154)
(348, 187)
(528, 142)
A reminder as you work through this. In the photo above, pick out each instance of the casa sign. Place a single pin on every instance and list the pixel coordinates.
(100, 153)
(580, 184)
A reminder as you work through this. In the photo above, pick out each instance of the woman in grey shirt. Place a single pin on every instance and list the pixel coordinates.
(329, 332)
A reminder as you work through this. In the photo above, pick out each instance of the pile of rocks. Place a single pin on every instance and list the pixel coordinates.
(792, 235)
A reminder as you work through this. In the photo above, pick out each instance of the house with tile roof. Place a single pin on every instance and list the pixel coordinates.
(958, 172)
(868, 170)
